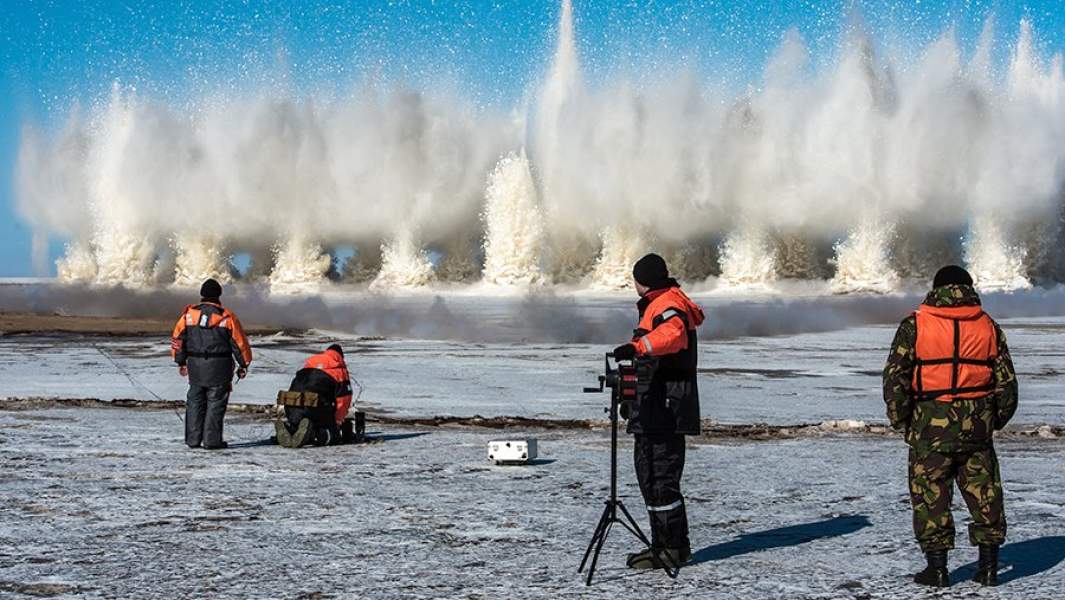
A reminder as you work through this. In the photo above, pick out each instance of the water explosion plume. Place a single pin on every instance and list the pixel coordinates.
(864, 172)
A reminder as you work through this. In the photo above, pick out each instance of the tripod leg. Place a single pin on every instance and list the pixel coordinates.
(634, 531)
(598, 548)
(632, 525)
(600, 532)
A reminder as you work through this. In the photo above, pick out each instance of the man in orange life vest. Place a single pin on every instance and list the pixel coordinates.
(949, 384)
(325, 379)
(666, 408)
(208, 343)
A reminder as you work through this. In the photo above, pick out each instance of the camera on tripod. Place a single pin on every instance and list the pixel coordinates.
(622, 382)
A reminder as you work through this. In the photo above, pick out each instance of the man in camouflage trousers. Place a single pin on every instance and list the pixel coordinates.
(949, 384)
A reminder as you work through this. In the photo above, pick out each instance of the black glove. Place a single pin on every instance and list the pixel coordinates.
(625, 352)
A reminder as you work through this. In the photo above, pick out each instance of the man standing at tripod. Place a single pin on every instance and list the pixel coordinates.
(666, 408)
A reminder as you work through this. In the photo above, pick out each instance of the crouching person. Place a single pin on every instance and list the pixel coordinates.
(315, 407)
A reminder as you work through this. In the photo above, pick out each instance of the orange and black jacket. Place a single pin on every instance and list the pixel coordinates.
(210, 341)
(326, 374)
(668, 346)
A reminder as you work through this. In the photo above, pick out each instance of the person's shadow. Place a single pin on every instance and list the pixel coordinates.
(781, 537)
(1021, 559)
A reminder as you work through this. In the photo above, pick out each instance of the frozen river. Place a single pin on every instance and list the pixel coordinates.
(786, 379)
(107, 503)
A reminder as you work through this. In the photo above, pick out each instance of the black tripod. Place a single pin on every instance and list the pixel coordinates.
(622, 382)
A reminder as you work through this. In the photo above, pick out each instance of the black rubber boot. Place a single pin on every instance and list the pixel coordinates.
(347, 432)
(935, 574)
(987, 572)
(660, 557)
(640, 558)
(677, 557)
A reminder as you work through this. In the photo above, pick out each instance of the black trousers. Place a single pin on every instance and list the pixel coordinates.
(205, 411)
(659, 466)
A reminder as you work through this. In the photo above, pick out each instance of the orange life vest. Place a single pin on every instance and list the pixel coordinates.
(956, 350)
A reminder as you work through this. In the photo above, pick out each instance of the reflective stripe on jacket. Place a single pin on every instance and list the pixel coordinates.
(209, 340)
(668, 347)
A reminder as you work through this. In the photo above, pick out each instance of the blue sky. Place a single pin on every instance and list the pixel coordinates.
(55, 53)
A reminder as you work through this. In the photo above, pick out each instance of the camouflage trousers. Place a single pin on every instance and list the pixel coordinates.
(932, 477)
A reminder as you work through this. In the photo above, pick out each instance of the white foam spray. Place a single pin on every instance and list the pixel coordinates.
(300, 265)
(622, 247)
(863, 259)
(125, 258)
(514, 230)
(994, 262)
(748, 261)
(125, 244)
(200, 259)
(924, 138)
(404, 264)
(78, 264)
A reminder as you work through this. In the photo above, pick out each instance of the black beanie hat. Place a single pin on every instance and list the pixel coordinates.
(211, 289)
(337, 349)
(952, 275)
(651, 271)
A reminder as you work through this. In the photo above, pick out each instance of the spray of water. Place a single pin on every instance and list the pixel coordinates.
(994, 262)
(810, 157)
(78, 265)
(198, 259)
(514, 237)
(863, 262)
(621, 248)
(747, 259)
(403, 264)
(300, 265)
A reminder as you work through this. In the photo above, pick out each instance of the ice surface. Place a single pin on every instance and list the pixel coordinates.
(108, 503)
(803, 378)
